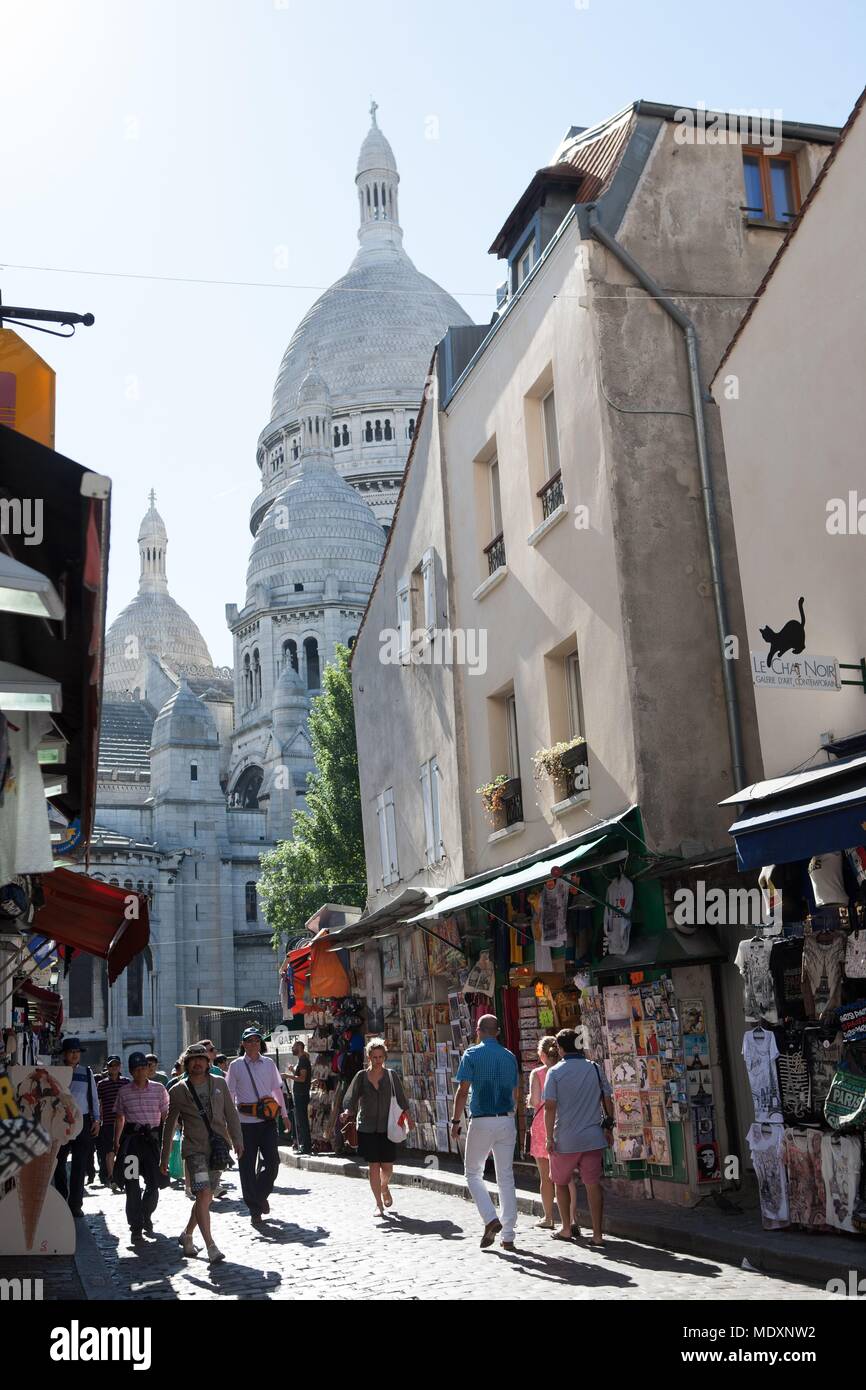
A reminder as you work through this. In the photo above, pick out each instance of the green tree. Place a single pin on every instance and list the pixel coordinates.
(324, 860)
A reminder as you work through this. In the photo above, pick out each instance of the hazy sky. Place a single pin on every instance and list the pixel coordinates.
(217, 140)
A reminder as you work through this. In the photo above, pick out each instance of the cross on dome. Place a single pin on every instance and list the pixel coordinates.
(374, 107)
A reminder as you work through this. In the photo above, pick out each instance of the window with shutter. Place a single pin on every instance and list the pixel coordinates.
(391, 827)
(427, 801)
(438, 847)
(428, 581)
(404, 618)
(551, 438)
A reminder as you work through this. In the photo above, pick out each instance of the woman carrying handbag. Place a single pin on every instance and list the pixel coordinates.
(211, 1125)
(377, 1101)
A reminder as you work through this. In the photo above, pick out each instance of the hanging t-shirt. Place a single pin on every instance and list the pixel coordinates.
(760, 1053)
(786, 967)
(25, 835)
(852, 1021)
(856, 857)
(825, 872)
(765, 1145)
(840, 1165)
(794, 1084)
(807, 1201)
(617, 927)
(823, 1056)
(823, 961)
(855, 955)
(759, 996)
(845, 1106)
(543, 959)
(553, 907)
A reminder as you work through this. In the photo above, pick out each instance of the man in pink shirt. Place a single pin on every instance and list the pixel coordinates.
(139, 1111)
(256, 1087)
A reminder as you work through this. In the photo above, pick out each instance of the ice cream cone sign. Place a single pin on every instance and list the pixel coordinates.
(34, 1218)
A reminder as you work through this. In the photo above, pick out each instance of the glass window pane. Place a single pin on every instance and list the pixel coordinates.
(754, 192)
(495, 505)
(551, 442)
(782, 189)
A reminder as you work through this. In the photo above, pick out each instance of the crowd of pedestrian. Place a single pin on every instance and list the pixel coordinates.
(217, 1106)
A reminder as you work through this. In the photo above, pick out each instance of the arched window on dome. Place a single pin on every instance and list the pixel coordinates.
(376, 198)
(378, 430)
(389, 433)
(410, 428)
(257, 676)
(150, 890)
(346, 436)
(311, 661)
(336, 436)
(368, 433)
(351, 642)
(368, 196)
(384, 200)
(246, 789)
(114, 883)
(290, 653)
(296, 448)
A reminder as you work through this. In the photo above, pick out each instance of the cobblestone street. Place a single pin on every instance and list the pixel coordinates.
(323, 1241)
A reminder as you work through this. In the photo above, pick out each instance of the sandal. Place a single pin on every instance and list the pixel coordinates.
(559, 1236)
(545, 1225)
(387, 1198)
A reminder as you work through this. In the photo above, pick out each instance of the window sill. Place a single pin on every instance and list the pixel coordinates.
(547, 524)
(490, 583)
(516, 829)
(765, 226)
(562, 808)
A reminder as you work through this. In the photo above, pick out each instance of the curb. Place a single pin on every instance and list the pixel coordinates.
(92, 1268)
(755, 1246)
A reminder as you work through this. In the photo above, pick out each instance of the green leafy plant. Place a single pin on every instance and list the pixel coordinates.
(493, 794)
(548, 761)
(324, 861)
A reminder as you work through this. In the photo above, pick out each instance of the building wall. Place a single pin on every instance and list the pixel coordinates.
(405, 714)
(801, 364)
(557, 594)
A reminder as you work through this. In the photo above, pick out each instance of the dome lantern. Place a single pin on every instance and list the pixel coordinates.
(152, 544)
(377, 180)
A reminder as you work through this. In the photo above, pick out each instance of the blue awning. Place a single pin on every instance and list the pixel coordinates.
(793, 818)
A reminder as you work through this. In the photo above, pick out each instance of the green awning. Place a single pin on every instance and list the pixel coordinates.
(509, 883)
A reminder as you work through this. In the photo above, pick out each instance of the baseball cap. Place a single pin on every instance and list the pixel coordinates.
(252, 1033)
(113, 1059)
(71, 1044)
(136, 1059)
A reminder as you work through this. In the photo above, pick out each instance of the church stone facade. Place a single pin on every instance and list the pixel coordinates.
(202, 768)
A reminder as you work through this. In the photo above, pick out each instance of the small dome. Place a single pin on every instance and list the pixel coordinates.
(152, 526)
(153, 623)
(289, 692)
(313, 389)
(376, 153)
(184, 719)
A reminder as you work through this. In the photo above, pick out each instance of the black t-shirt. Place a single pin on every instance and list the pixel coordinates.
(786, 962)
(303, 1069)
(795, 1085)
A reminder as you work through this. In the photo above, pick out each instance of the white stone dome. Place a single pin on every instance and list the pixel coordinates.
(376, 152)
(153, 623)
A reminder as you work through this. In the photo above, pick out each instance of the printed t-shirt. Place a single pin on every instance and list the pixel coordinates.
(759, 996)
(786, 968)
(760, 1053)
(823, 962)
(840, 1164)
(765, 1145)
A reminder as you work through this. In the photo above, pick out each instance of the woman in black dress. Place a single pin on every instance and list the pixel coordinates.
(369, 1098)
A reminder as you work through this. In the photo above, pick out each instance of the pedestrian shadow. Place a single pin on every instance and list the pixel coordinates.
(223, 1277)
(412, 1225)
(553, 1269)
(276, 1232)
(652, 1257)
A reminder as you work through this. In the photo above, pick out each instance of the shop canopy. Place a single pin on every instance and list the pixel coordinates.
(511, 882)
(791, 818)
(91, 917)
(663, 950)
(48, 1004)
(71, 506)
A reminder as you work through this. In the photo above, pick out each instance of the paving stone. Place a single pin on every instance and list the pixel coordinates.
(323, 1240)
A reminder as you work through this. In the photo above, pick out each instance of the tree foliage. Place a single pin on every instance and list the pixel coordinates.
(324, 860)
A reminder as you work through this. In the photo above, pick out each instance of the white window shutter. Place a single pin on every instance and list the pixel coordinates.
(404, 618)
(438, 847)
(428, 578)
(426, 798)
(383, 838)
(391, 830)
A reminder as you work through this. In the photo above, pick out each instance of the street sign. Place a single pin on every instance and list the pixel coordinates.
(26, 389)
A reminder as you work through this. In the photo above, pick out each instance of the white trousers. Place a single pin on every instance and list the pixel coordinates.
(497, 1135)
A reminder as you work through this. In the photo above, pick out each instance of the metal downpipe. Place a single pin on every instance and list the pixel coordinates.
(708, 496)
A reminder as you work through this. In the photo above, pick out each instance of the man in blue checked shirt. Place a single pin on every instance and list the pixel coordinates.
(489, 1076)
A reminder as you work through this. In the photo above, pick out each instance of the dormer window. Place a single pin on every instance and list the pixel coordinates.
(772, 187)
(525, 262)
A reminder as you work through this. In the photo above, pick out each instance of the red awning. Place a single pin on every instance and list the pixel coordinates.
(91, 916)
(49, 1005)
(301, 963)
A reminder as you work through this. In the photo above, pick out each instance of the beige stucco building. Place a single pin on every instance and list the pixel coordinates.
(790, 394)
(555, 491)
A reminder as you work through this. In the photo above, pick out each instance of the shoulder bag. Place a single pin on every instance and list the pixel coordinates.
(265, 1108)
(349, 1121)
(606, 1121)
(397, 1129)
(219, 1155)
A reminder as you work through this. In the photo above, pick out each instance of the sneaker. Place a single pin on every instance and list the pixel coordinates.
(221, 1192)
(214, 1255)
(187, 1245)
(135, 1237)
(266, 1207)
(491, 1231)
(147, 1227)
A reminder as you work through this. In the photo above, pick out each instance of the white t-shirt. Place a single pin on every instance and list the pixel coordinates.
(617, 928)
(759, 995)
(840, 1166)
(760, 1052)
(25, 834)
(855, 955)
(825, 871)
(765, 1145)
(552, 908)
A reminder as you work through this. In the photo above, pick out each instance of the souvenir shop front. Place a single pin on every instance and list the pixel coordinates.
(318, 992)
(803, 978)
(575, 937)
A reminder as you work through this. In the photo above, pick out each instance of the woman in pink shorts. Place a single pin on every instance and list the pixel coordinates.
(548, 1055)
